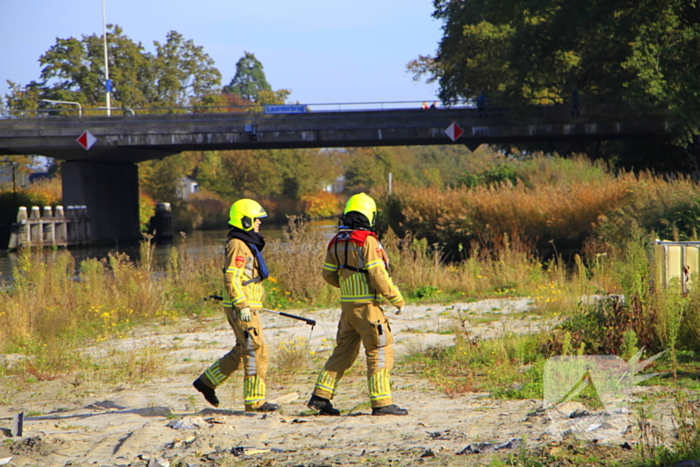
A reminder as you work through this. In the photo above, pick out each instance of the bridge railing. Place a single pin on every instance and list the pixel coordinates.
(62, 228)
(591, 109)
(68, 111)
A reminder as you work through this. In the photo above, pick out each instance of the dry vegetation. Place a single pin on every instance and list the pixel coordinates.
(491, 235)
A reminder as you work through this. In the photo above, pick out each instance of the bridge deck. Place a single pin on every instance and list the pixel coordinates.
(141, 137)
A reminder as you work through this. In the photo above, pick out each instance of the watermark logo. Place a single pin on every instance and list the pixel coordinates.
(566, 376)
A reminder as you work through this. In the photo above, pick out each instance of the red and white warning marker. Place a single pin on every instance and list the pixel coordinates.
(454, 131)
(86, 140)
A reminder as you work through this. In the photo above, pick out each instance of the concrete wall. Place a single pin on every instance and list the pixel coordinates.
(111, 193)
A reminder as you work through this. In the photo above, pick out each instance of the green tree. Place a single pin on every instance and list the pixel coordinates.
(249, 80)
(16, 170)
(161, 179)
(283, 172)
(365, 168)
(273, 97)
(184, 74)
(74, 71)
(22, 101)
(179, 74)
(644, 54)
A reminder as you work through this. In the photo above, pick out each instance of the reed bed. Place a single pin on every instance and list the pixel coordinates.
(557, 206)
(445, 245)
(455, 244)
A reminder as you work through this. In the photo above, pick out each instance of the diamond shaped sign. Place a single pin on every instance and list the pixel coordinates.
(86, 140)
(454, 131)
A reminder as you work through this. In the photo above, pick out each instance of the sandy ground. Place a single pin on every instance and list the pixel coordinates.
(76, 421)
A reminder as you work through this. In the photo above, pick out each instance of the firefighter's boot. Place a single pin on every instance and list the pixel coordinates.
(323, 406)
(392, 409)
(267, 407)
(208, 393)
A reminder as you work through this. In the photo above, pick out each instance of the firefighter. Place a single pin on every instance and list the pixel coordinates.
(358, 265)
(244, 270)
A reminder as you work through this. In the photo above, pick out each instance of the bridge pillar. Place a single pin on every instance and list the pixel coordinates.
(110, 191)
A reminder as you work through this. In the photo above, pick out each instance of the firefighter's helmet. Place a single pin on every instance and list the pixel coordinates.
(244, 212)
(363, 204)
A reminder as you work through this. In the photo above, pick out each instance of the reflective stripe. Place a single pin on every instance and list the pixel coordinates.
(379, 386)
(238, 295)
(253, 292)
(326, 382)
(350, 247)
(227, 299)
(374, 264)
(330, 267)
(214, 375)
(250, 369)
(358, 298)
(381, 352)
(356, 288)
(253, 390)
(249, 266)
(382, 335)
(396, 299)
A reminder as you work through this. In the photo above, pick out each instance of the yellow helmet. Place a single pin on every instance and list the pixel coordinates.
(244, 212)
(363, 204)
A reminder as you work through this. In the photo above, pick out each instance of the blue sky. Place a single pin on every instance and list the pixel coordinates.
(324, 51)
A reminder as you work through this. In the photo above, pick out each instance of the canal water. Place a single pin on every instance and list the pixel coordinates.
(200, 242)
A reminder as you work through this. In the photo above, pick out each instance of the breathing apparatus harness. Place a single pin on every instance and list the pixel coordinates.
(246, 237)
(357, 236)
(262, 267)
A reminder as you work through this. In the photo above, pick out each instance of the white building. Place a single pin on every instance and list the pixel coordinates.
(186, 188)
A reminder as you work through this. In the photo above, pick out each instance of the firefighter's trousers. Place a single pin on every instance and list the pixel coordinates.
(250, 352)
(361, 323)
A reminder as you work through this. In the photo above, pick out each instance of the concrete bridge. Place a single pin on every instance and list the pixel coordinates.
(101, 152)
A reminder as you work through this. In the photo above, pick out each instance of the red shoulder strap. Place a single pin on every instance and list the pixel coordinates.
(358, 237)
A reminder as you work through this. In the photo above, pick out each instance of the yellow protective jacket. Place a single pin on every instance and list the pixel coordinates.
(357, 264)
(240, 268)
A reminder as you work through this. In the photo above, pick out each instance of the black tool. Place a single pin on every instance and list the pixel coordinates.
(310, 322)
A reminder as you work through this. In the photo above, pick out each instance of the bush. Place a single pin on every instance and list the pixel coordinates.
(320, 205)
(559, 208)
(501, 173)
(147, 207)
(209, 210)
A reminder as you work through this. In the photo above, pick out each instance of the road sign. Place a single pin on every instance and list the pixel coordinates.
(454, 131)
(86, 140)
(286, 109)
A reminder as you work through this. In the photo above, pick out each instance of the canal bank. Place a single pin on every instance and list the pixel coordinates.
(196, 243)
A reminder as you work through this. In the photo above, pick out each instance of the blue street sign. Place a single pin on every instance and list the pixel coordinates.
(286, 109)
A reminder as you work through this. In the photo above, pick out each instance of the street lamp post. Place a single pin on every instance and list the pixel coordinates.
(108, 82)
(80, 107)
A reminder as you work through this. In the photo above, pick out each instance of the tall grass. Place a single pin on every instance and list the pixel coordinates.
(295, 262)
(54, 300)
(418, 267)
(556, 204)
(455, 244)
(57, 304)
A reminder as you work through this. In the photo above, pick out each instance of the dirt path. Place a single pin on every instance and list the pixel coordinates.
(86, 422)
